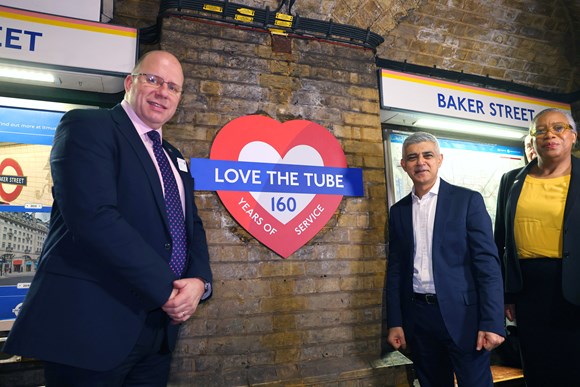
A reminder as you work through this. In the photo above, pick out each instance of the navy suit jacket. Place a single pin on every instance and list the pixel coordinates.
(466, 266)
(509, 192)
(104, 264)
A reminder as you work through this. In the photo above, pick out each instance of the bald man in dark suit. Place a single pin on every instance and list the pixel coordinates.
(115, 281)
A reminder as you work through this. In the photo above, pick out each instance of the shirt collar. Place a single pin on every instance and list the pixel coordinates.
(433, 191)
(141, 127)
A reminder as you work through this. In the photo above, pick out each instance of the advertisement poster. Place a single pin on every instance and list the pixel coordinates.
(25, 200)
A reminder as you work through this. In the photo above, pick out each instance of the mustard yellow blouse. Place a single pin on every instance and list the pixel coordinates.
(539, 217)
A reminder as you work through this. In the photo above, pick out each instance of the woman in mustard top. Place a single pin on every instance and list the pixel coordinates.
(538, 234)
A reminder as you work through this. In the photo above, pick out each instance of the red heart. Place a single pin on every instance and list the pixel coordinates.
(275, 226)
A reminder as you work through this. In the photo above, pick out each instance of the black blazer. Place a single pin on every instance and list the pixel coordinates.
(509, 192)
(104, 264)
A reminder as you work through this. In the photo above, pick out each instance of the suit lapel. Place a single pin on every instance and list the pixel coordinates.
(127, 129)
(187, 184)
(406, 221)
(441, 212)
(573, 190)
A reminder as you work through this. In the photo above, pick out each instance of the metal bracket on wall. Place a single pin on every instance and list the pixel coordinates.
(265, 19)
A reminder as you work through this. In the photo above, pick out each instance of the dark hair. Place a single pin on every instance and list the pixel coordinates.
(419, 137)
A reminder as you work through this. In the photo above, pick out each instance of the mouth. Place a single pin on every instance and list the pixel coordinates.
(550, 145)
(156, 105)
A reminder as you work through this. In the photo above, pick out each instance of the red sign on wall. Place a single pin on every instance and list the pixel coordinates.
(282, 182)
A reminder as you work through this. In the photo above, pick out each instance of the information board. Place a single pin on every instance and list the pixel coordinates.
(475, 165)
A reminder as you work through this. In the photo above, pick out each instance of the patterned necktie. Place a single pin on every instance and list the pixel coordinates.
(173, 206)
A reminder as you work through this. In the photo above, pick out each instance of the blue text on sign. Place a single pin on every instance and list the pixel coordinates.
(11, 38)
(227, 175)
(476, 106)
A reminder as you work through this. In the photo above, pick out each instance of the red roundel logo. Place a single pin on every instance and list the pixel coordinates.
(7, 168)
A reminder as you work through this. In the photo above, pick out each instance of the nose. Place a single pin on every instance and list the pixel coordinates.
(163, 88)
(550, 132)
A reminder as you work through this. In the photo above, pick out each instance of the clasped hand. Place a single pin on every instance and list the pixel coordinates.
(184, 298)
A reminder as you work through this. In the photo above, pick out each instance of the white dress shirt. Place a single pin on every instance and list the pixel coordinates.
(423, 222)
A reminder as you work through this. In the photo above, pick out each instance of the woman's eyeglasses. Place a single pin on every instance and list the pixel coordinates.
(558, 128)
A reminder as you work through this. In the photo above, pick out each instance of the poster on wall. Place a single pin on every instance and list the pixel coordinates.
(475, 165)
(282, 182)
(25, 199)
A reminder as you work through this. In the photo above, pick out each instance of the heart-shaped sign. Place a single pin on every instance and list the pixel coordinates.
(286, 220)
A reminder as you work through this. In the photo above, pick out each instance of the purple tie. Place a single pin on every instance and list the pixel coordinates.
(173, 206)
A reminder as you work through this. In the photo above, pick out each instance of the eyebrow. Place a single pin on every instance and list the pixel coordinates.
(426, 153)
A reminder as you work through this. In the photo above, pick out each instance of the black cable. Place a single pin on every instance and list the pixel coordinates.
(290, 6)
(228, 12)
(280, 6)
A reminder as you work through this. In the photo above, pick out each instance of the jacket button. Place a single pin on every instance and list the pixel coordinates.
(168, 246)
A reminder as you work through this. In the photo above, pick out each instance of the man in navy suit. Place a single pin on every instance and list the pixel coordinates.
(444, 286)
(105, 306)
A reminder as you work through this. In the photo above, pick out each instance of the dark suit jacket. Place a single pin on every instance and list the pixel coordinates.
(466, 267)
(509, 192)
(104, 264)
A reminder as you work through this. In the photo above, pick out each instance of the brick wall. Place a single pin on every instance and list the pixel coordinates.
(319, 311)
(527, 42)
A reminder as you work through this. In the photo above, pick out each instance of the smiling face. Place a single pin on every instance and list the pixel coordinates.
(421, 161)
(553, 146)
(154, 105)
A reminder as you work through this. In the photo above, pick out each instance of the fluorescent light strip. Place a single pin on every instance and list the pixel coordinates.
(469, 128)
(29, 75)
(40, 105)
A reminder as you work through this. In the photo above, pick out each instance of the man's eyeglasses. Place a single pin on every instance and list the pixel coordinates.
(157, 82)
(557, 128)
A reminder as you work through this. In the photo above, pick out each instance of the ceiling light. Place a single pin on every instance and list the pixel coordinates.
(478, 129)
(25, 74)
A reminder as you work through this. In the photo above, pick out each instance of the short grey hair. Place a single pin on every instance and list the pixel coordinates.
(419, 137)
(567, 114)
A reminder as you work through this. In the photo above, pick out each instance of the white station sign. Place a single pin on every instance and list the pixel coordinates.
(55, 40)
(428, 95)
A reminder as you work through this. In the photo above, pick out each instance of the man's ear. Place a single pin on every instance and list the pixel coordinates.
(128, 82)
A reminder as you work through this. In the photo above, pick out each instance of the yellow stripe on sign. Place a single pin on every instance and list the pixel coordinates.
(65, 23)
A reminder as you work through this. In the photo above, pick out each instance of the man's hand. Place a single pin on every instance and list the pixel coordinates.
(184, 299)
(488, 340)
(510, 311)
(396, 338)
